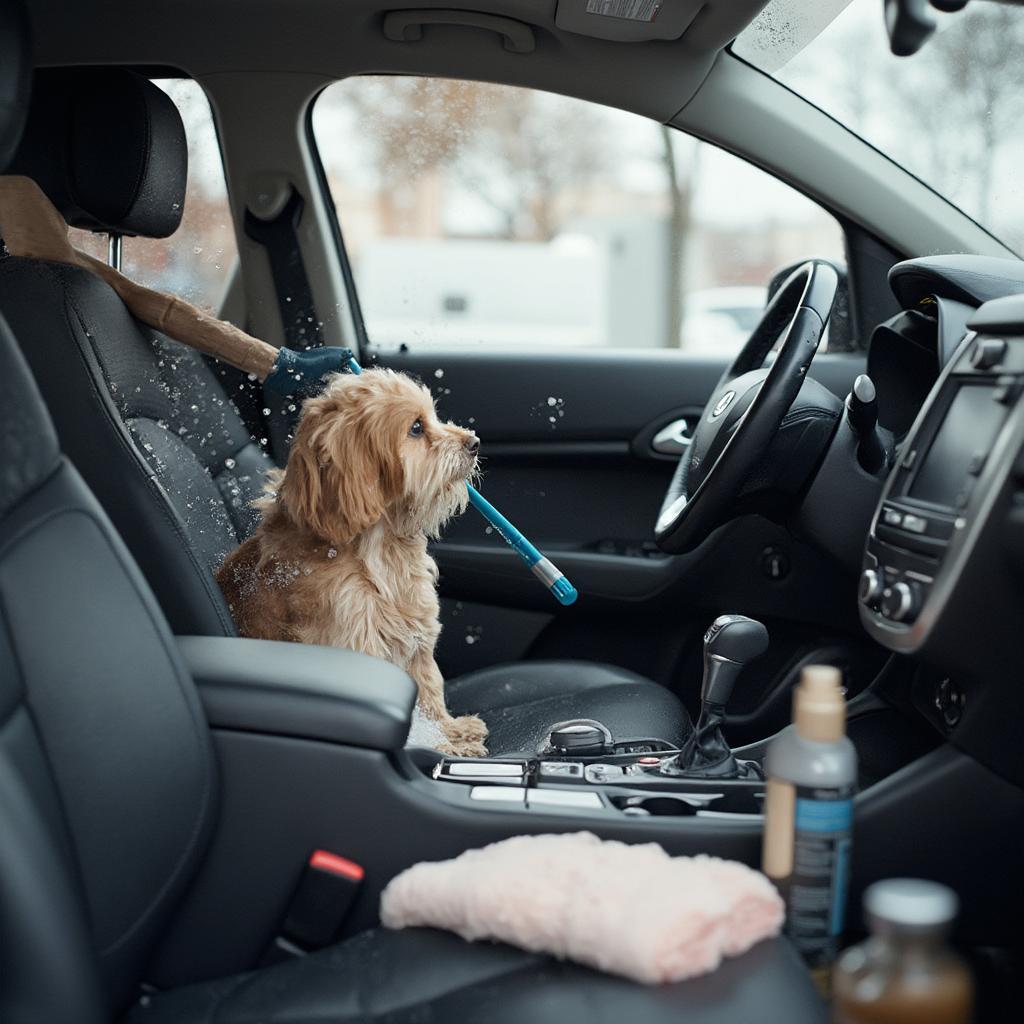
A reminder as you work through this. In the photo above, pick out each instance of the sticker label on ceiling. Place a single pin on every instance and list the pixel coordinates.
(629, 10)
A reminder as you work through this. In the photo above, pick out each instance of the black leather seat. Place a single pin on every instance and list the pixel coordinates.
(153, 431)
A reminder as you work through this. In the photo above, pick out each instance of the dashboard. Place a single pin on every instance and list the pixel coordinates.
(938, 295)
(943, 564)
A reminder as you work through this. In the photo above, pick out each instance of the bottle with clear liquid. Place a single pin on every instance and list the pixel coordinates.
(905, 972)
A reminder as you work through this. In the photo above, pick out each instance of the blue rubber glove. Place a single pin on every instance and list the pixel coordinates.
(301, 372)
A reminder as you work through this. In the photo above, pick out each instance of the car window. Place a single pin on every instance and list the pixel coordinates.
(499, 217)
(195, 262)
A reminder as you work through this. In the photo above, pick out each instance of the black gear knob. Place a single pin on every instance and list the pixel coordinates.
(729, 644)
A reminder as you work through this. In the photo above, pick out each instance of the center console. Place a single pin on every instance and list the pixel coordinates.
(633, 785)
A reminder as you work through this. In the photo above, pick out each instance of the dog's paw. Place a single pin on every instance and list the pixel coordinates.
(465, 736)
(463, 748)
(470, 727)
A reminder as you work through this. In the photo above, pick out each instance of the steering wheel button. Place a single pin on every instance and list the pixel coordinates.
(891, 517)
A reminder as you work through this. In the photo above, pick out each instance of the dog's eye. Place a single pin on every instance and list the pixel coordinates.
(416, 430)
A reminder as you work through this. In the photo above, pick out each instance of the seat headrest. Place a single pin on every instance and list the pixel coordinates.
(15, 75)
(108, 147)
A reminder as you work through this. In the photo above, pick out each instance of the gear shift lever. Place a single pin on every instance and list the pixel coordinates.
(730, 643)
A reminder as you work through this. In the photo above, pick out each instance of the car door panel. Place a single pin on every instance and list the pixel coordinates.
(586, 486)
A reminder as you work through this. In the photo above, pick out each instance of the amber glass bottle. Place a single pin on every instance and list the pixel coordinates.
(904, 973)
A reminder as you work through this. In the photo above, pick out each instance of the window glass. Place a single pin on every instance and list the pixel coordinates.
(493, 216)
(951, 114)
(195, 262)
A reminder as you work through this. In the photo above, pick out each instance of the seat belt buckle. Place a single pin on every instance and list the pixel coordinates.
(318, 908)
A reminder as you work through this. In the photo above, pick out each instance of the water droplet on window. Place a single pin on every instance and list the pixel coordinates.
(439, 374)
(197, 249)
(266, 412)
(552, 400)
(332, 552)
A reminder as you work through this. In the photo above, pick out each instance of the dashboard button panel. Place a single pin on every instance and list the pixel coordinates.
(915, 524)
(900, 602)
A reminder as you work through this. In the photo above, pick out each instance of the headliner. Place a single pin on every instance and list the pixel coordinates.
(334, 38)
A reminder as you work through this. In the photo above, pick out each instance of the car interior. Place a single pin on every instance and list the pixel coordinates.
(851, 475)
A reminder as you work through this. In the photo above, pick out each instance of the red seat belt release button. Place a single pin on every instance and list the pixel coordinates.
(322, 900)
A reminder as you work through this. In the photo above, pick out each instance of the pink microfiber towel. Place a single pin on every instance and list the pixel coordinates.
(630, 910)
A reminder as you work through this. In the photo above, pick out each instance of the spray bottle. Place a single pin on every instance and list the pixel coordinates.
(811, 767)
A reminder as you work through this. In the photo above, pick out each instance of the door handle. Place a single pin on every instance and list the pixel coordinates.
(673, 439)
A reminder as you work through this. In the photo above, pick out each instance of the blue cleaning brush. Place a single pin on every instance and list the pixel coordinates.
(543, 568)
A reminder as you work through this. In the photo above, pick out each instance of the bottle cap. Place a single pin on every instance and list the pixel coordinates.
(819, 708)
(910, 903)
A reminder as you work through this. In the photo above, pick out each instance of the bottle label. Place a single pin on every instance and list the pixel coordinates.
(816, 889)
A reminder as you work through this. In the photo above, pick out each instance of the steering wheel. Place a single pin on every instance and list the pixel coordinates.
(746, 409)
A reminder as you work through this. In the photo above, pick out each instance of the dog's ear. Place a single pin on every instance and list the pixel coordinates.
(341, 474)
(301, 489)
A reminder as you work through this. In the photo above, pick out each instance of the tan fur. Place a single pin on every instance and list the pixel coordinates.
(340, 557)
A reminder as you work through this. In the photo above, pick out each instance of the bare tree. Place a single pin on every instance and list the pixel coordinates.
(680, 184)
(532, 157)
(415, 128)
(524, 154)
(979, 57)
(947, 113)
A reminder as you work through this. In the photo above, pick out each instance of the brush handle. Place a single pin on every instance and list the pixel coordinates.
(543, 568)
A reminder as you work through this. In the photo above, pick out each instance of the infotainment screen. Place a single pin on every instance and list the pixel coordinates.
(970, 427)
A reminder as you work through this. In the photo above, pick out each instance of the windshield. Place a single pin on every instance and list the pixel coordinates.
(951, 114)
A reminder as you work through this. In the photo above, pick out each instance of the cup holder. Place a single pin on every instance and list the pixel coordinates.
(690, 804)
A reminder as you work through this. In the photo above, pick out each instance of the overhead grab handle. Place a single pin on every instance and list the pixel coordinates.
(407, 27)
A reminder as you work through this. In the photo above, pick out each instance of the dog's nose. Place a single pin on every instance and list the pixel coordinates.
(472, 444)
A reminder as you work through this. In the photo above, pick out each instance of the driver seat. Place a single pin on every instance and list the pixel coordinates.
(151, 427)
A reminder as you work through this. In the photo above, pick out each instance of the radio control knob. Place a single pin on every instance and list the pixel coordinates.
(871, 587)
(899, 602)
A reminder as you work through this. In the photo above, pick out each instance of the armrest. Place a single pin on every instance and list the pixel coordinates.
(286, 689)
